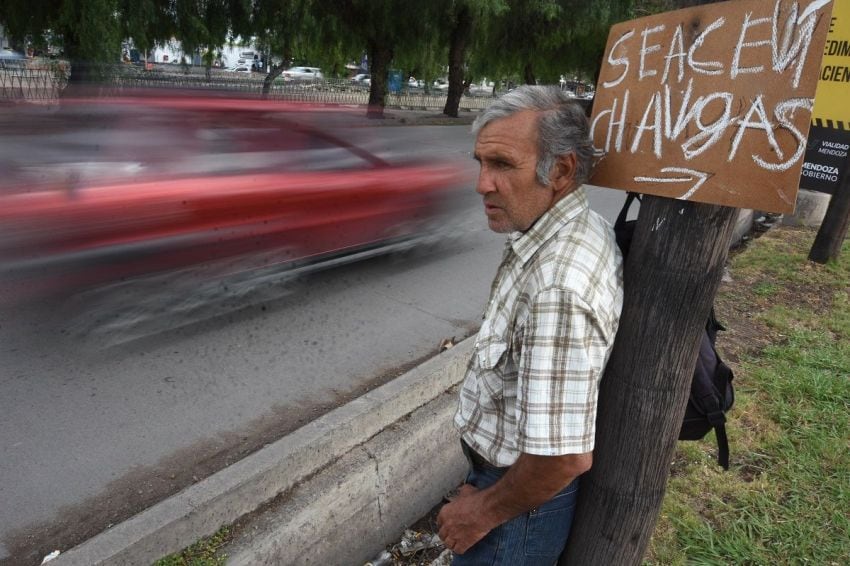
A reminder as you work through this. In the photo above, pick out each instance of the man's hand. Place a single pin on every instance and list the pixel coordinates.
(530, 482)
(462, 521)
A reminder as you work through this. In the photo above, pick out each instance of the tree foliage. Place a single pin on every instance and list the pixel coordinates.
(90, 32)
(388, 30)
(147, 22)
(206, 25)
(648, 7)
(87, 30)
(530, 40)
(543, 39)
(282, 27)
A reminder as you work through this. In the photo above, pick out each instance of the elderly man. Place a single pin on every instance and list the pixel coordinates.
(527, 407)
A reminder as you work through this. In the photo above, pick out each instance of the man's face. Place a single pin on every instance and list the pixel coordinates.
(507, 152)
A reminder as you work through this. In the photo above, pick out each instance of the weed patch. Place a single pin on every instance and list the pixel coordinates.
(205, 552)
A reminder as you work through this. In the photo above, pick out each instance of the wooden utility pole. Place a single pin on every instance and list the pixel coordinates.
(833, 229)
(672, 274)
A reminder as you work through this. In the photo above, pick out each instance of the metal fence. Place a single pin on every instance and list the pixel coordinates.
(22, 81)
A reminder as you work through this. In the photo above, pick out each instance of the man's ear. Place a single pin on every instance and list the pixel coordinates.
(564, 173)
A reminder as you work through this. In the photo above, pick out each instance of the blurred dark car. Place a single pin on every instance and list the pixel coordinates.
(9, 55)
(107, 190)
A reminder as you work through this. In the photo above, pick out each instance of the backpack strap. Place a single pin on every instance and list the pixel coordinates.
(720, 429)
(624, 212)
(722, 446)
(713, 326)
(704, 396)
(718, 420)
(624, 230)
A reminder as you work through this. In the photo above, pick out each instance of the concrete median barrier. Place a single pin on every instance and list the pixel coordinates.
(350, 510)
(352, 479)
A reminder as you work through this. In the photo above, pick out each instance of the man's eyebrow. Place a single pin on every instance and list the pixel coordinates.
(493, 156)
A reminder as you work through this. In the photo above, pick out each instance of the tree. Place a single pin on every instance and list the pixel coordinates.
(147, 22)
(385, 28)
(88, 31)
(648, 7)
(462, 16)
(545, 38)
(287, 29)
(461, 30)
(205, 25)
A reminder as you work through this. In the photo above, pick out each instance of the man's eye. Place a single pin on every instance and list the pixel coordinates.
(501, 165)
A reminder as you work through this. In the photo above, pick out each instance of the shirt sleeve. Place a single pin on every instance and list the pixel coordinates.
(563, 356)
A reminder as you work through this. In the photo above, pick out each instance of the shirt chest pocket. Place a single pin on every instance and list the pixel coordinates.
(491, 353)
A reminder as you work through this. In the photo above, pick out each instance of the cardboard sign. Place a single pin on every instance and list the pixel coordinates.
(712, 103)
(829, 137)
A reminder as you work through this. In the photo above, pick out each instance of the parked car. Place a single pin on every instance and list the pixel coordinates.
(183, 182)
(483, 88)
(9, 55)
(239, 69)
(303, 74)
(12, 59)
(362, 79)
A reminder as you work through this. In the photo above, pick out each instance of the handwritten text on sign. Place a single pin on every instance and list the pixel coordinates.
(712, 103)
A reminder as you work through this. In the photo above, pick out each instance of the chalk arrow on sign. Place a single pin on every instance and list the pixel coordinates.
(692, 175)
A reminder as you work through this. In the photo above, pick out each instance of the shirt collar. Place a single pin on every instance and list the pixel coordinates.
(525, 244)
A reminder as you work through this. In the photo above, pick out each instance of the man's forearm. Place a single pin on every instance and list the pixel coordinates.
(530, 482)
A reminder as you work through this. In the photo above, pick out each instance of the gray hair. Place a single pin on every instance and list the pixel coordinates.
(562, 128)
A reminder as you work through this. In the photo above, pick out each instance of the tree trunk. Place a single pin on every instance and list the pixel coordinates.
(528, 74)
(380, 57)
(85, 79)
(81, 78)
(835, 223)
(457, 52)
(274, 72)
(208, 68)
(82, 75)
(672, 274)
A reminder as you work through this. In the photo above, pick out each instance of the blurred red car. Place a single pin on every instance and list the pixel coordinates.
(121, 188)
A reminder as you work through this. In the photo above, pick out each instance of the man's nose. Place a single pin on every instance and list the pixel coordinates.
(484, 184)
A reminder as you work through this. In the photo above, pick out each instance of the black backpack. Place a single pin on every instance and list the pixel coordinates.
(711, 388)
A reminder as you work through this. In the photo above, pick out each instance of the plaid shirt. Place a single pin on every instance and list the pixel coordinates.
(532, 383)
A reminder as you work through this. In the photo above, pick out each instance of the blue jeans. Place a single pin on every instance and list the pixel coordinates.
(531, 539)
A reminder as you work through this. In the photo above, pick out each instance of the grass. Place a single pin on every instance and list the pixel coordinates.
(786, 498)
(205, 552)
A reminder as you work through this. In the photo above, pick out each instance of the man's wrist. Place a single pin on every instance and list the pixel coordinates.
(492, 509)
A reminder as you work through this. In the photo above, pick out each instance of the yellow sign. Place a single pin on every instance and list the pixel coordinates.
(831, 101)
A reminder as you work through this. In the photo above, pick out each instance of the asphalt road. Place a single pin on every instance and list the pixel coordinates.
(90, 435)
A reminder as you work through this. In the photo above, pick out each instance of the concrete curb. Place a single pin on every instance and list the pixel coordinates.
(811, 208)
(242, 488)
(347, 513)
(743, 226)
